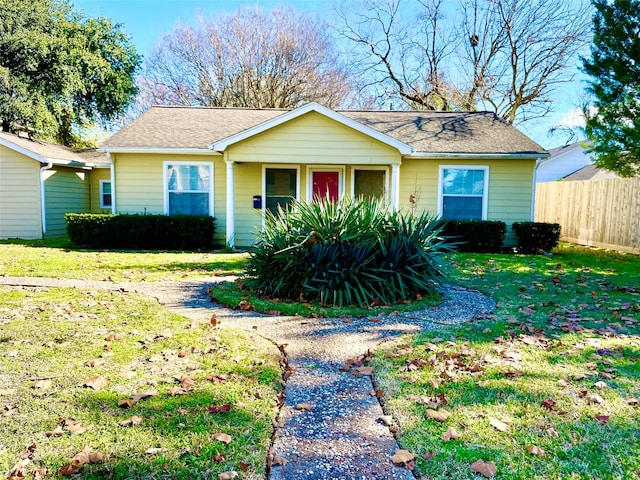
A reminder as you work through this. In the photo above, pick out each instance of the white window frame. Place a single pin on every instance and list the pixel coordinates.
(325, 168)
(102, 204)
(485, 188)
(387, 178)
(277, 166)
(165, 181)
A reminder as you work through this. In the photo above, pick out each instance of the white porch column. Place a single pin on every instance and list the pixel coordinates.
(395, 186)
(230, 231)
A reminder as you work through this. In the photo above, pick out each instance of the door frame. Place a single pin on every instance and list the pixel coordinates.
(325, 168)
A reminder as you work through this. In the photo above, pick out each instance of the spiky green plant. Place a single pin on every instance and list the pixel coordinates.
(347, 252)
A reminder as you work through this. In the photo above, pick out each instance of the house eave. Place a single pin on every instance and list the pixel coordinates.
(161, 150)
(475, 156)
(222, 145)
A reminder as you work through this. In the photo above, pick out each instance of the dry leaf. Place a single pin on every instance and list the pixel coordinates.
(487, 469)
(602, 419)
(56, 432)
(594, 398)
(97, 383)
(534, 450)
(220, 457)
(402, 457)
(231, 474)
(42, 384)
(440, 415)
(222, 437)
(69, 469)
(601, 385)
(278, 460)
(304, 406)
(154, 450)
(128, 422)
(365, 370)
(498, 425)
(450, 434)
(220, 408)
(128, 403)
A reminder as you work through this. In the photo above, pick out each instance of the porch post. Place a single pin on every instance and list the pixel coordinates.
(230, 231)
(395, 186)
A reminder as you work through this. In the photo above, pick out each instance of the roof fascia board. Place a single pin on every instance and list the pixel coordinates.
(479, 156)
(221, 145)
(168, 151)
(23, 151)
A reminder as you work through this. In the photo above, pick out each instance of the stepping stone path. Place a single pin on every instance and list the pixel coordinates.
(330, 424)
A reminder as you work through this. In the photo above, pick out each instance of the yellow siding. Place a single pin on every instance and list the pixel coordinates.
(20, 209)
(139, 184)
(97, 175)
(66, 190)
(510, 188)
(313, 138)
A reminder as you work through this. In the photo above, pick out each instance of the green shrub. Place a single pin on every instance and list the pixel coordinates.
(350, 252)
(476, 235)
(144, 232)
(536, 237)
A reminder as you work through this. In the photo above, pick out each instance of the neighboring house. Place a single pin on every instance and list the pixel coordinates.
(41, 181)
(564, 161)
(235, 163)
(590, 172)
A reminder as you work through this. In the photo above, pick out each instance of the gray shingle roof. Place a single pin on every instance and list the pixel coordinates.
(54, 152)
(428, 132)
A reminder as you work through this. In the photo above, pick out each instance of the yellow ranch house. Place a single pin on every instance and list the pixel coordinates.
(236, 163)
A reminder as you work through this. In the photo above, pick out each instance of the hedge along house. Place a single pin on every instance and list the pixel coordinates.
(41, 181)
(235, 163)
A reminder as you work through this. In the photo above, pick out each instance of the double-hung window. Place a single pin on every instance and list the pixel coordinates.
(188, 188)
(463, 192)
(105, 194)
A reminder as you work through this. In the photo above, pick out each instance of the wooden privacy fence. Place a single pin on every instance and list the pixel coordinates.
(600, 213)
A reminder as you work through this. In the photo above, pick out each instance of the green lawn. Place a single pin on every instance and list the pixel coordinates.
(58, 259)
(557, 366)
(68, 359)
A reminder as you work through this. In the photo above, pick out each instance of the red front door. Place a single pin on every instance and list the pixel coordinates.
(325, 185)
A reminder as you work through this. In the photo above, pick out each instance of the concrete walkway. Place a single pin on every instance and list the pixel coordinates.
(341, 436)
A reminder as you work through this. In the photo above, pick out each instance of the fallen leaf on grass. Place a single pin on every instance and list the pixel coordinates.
(220, 457)
(534, 450)
(154, 450)
(440, 415)
(113, 336)
(222, 437)
(594, 398)
(404, 458)
(56, 432)
(365, 370)
(129, 422)
(487, 469)
(84, 457)
(601, 385)
(230, 475)
(498, 425)
(602, 419)
(42, 384)
(220, 408)
(450, 434)
(304, 406)
(97, 383)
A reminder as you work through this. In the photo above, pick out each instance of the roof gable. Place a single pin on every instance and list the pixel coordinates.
(222, 145)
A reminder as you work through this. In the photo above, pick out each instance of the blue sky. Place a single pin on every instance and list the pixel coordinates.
(148, 20)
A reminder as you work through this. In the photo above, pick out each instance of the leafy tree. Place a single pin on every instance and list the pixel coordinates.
(250, 58)
(507, 56)
(614, 124)
(61, 71)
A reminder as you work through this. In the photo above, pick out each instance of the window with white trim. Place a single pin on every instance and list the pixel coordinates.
(463, 192)
(105, 194)
(188, 188)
